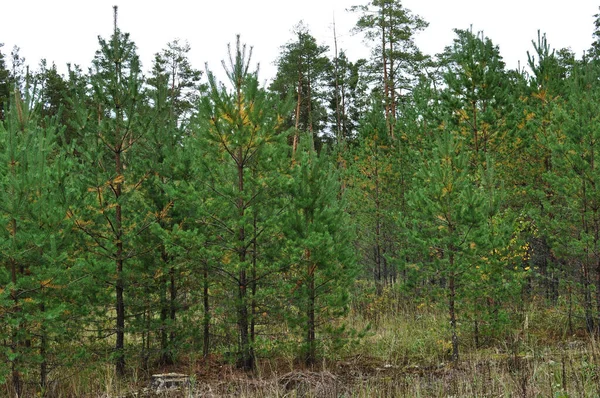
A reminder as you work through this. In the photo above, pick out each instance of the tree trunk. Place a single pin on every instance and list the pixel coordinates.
(338, 131)
(386, 87)
(297, 126)
(378, 222)
(120, 283)
(43, 348)
(253, 304)
(172, 308)
(206, 318)
(246, 358)
(452, 310)
(392, 88)
(15, 343)
(310, 357)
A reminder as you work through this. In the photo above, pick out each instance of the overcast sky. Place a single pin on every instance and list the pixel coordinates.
(66, 30)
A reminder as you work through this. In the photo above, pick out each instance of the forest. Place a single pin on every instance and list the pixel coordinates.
(404, 225)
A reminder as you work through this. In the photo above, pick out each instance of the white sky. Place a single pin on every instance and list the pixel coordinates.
(66, 30)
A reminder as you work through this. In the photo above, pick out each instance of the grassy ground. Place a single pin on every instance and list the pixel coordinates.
(404, 353)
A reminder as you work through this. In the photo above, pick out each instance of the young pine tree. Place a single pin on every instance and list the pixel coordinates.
(319, 247)
(112, 215)
(33, 275)
(451, 221)
(240, 150)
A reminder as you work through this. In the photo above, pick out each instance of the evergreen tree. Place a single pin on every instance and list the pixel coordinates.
(319, 241)
(452, 222)
(19, 71)
(371, 170)
(396, 60)
(594, 51)
(301, 70)
(476, 91)
(537, 114)
(112, 215)
(33, 274)
(4, 83)
(346, 97)
(239, 149)
(573, 181)
(172, 67)
(173, 92)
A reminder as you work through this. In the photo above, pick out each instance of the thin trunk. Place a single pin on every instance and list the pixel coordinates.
(386, 88)
(587, 298)
(43, 348)
(310, 358)
(206, 318)
(378, 270)
(164, 312)
(145, 354)
(392, 86)
(120, 283)
(15, 343)
(297, 125)
(451, 305)
(337, 88)
(172, 306)
(254, 278)
(475, 132)
(570, 313)
(309, 104)
(587, 302)
(246, 359)
(166, 357)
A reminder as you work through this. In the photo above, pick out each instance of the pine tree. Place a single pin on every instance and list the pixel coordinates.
(4, 84)
(173, 93)
(240, 149)
(372, 169)
(319, 242)
(396, 60)
(594, 51)
(536, 121)
(33, 275)
(302, 69)
(346, 97)
(112, 215)
(451, 222)
(573, 182)
(476, 91)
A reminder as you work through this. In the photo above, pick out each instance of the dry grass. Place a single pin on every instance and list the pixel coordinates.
(404, 353)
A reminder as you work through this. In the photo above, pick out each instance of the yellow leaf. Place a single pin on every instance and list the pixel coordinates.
(118, 179)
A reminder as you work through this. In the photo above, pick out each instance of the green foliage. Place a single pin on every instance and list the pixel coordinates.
(302, 69)
(147, 222)
(240, 154)
(4, 84)
(318, 247)
(34, 278)
(476, 92)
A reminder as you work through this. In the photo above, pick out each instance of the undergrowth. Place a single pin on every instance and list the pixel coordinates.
(403, 351)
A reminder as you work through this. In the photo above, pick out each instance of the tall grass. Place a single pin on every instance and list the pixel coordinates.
(404, 352)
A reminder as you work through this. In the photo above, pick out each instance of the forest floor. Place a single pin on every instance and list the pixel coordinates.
(404, 351)
(407, 355)
(558, 372)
